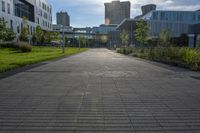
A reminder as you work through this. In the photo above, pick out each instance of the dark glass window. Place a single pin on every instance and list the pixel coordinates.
(28, 27)
(24, 9)
(39, 3)
(194, 17)
(162, 15)
(8, 6)
(44, 6)
(3, 6)
(11, 25)
(45, 15)
(38, 21)
(18, 30)
(155, 16)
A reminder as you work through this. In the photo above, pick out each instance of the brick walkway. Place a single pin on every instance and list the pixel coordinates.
(101, 91)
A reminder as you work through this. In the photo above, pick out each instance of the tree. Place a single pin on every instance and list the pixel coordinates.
(24, 34)
(124, 37)
(2, 29)
(24, 31)
(38, 34)
(5, 33)
(165, 37)
(82, 41)
(66, 41)
(141, 32)
(47, 36)
(10, 35)
(55, 36)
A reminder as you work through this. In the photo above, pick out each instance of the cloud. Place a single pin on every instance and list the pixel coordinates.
(91, 12)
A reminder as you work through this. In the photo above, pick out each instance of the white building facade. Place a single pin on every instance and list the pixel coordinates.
(37, 12)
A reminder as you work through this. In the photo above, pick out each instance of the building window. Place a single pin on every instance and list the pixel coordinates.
(18, 30)
(3, 6)
(44, 6)
(45, 15)
(155, 16)
(8, 7)
(194, 17)
(162, 16)
(31, 30)
(40, 12)
(24, 9)
(11, 25)
(28, 27)
(47, 9)
(39, 3)
(38, 21)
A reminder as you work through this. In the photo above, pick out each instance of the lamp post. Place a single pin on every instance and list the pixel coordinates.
(79, 43)
(63, 40)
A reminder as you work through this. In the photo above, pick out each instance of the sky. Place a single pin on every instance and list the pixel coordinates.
(89, 13)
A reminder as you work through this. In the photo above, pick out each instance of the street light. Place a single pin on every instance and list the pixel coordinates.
(79, 43)
(63, 41)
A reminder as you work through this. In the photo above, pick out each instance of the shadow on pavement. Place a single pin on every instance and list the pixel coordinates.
(18, 70)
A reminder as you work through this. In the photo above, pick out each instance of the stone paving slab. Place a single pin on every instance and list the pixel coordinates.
(100, 91)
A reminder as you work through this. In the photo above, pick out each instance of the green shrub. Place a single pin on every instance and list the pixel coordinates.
(125, 51)
(10, 35)
(24, 34)
(25, 47)
(184, 56)
(118, 50)
(6, 34)
(198, 44)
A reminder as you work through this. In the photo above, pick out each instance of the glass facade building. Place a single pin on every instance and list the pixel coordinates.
(24, 9)
(176, 22)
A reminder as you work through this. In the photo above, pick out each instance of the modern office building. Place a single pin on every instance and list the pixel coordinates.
(117, 11)
(63, 18)
(176, 22)
(37, 12)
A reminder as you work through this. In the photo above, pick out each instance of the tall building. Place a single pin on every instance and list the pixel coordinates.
(116, 12)
(63, 18)
(37, 12)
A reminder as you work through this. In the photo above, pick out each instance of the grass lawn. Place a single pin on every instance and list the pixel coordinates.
(11, 58)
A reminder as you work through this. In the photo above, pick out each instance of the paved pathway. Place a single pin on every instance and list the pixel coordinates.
(100, 91)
